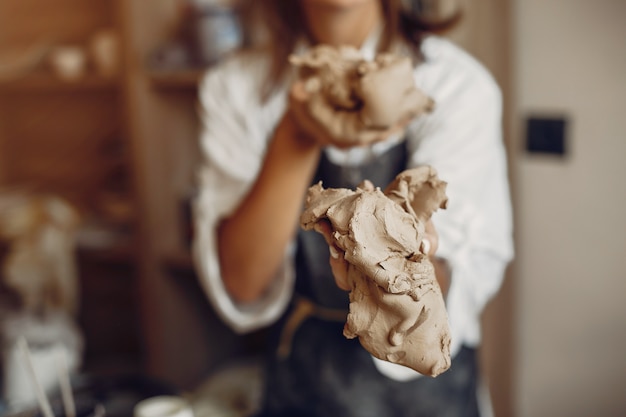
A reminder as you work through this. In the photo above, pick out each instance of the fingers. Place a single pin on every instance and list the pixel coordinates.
(340, 268)
(414, 102)
(425, 246)
(344, 101)
(298, 99)
(324, 227)
(321, 122)
(305, 107)
(338, 264)
(430, 242)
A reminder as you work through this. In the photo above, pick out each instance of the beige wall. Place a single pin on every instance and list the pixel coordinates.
(570, 58)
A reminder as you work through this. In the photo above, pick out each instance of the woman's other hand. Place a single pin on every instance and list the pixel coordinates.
(338, 264)
(324, 125)
(340, 267)
(430, 244)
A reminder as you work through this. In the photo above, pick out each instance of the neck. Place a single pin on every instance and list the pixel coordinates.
(336, 25)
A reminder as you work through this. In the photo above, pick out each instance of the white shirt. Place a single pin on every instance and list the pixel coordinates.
(461, 139)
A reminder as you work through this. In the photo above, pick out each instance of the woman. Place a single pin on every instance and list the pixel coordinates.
(261, 155)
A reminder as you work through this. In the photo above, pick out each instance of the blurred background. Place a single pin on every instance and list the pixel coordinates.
(98, 145)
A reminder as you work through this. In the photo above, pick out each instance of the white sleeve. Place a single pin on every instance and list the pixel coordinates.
(462, 139)
(233, 143)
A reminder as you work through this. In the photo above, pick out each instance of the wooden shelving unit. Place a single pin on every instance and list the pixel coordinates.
(70, 138)
(43, 83)
(130, 138)
(178, 262)
(187, 79)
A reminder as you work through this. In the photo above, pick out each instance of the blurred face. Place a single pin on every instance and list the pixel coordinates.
(341, 21)
(338, 3)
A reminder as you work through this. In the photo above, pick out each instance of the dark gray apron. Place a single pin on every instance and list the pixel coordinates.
(323, 374)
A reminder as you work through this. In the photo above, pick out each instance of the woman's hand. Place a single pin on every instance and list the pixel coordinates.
(322, 124)
(350, 101)
(340, 267)
(338, 264)
(430, 245)
(430, 242)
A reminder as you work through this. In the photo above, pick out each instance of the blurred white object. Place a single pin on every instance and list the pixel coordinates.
(218, 31)
(68, 62)
(40, 265)
(104, 48)
(50, 337)
(40, 268)
(163, 406)
(233, 391)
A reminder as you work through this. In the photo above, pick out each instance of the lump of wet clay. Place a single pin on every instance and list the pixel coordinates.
(396, 305)
(354, 99)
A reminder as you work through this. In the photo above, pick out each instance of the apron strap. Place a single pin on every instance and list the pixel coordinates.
(303, 309)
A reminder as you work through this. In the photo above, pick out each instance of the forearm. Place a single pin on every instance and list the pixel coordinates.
(253, 240)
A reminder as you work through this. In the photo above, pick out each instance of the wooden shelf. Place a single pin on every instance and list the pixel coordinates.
(42, 83)
(122, 253)
(80, 138)
(180, 261)
(184, 79)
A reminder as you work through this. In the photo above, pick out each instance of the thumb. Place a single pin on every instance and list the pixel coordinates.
(430, 242)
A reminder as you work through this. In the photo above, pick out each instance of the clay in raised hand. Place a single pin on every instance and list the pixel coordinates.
(355, 100)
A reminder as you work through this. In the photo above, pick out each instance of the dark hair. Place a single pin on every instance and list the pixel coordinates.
(283, 24)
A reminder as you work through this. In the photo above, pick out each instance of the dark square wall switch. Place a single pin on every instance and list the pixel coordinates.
(546, 135)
